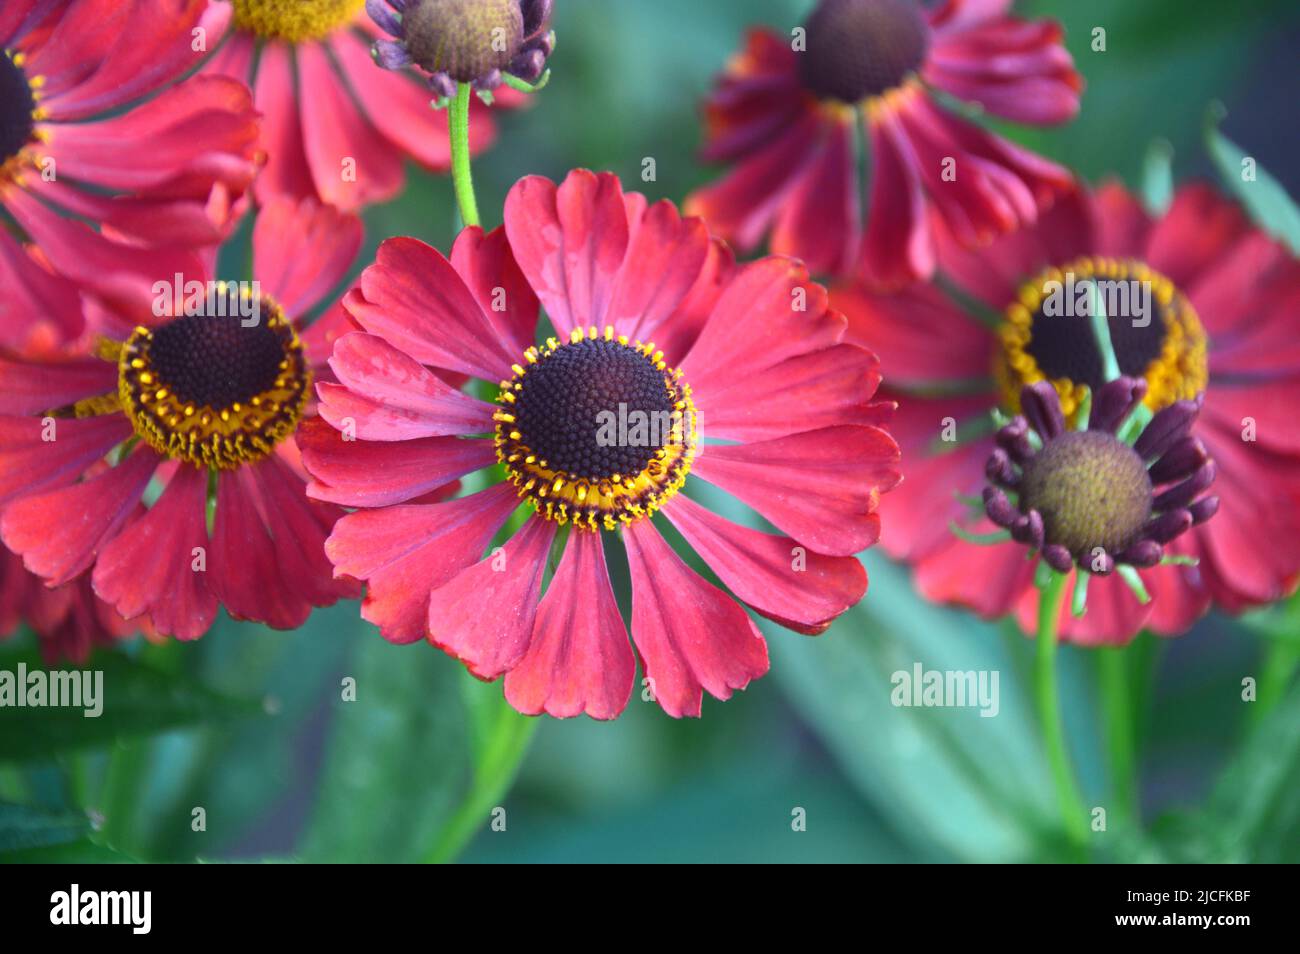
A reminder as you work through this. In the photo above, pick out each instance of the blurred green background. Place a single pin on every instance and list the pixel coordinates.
(249, 723)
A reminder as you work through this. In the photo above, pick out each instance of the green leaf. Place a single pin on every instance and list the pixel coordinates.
(1265, 200)
(83, 851)
(425, 747)
(24, 827)
(1158, 177)
(138, 700)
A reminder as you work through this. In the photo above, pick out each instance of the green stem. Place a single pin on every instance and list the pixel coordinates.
(1073, 814)
(461, 176)
(1117, 703)
(502, 753)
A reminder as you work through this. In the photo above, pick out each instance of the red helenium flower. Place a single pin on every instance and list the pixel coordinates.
(92, 130)
(113, 466)
(1226, 301)
(651, 317)
(334, 124)
(787, 120)
(69, 620)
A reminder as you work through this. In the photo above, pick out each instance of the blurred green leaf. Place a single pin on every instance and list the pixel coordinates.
(82, 851)
(138, 700)
(426, 749)
(1158, 177)
(1265, 200)
(24, 827)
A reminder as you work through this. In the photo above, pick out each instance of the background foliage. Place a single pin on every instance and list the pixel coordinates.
(248, 723)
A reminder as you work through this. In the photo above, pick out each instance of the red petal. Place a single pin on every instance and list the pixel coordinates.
(484, 615)
(302, 250)
(579, 659)
(691, 636)
(780, 579)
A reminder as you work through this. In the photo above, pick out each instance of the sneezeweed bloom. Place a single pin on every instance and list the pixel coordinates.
(69, 621)
(92, 131)
(165, 465)
(662, 350)
(1202, 302)
(465, 41)
(786, 110)
(1087, 501)
(335, 126)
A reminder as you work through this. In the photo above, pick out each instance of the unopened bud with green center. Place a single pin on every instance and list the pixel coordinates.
(464, 41)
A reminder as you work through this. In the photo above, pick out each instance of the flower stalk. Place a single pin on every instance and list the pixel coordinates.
(461, 174)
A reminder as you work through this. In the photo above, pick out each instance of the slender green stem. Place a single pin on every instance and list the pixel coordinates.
(1073, 814)
(461, 176)
(1117, 703)
(503, 751)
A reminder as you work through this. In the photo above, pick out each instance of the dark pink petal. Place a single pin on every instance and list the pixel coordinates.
(486, 264)
(37, 304)
(821, 487)
(60, 533)
(149, 566)
(369, 474)
(37, 454)
(690, 635)
(923, 337)
(742, 206)
(783, 315)
(350, 163)
(244, 573)
(799, 589)
(897, 248)
(805, 393)
(1196, 232)
(956, 15)
(407, 400)
(664, 259)
(302, 250)
(579, 659)
(484, 615)
(29, 387)
(570, 242)
(287, 172)
(821, 221)
(403, 553)
(988, 580)
(414, 298)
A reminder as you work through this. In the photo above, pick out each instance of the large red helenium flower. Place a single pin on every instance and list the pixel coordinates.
(335, 125)
(91, 130)
(1228, 329)
(165, 464)
(742, 370)
(787, 120)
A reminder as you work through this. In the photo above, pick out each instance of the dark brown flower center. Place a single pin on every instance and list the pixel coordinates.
(216, 362)
(862, 48)
(571, 404)
(1049, 335)
(16, 107)
(597, 430)
(217, 390)
(1091, 489)
(465, 39)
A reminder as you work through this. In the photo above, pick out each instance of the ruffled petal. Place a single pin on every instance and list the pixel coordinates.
(484, 615)
(351, 164)
(37, 454)
(29, 387)
(486, 264)
(570, 241)
(302, 250)
(664, 258)
(414, 298)
(775, 576)
(579, 659)
(149, 566)
(368, 474)
(690, 635)
(821, 487)
(60, 533)
(897, 247)
(403, 553)
(821, 221)
(287, 172)
(1197, 231)
(401, 399)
